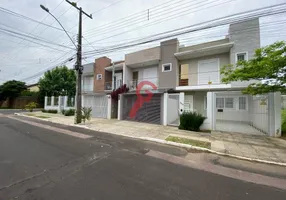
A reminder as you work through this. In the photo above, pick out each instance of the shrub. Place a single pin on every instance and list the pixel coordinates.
(31, 106)
(50, 111)
(191, 121)
(86, 113)
(53, 111)
(69, 112)
(63, 111)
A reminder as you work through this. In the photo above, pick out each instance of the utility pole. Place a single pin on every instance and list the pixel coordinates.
(78, 66)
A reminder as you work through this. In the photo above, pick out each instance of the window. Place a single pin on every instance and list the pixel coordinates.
(220, 102)
(241, 56)
(167, 67)
(242, 103)
(98, 76)
(228, 103)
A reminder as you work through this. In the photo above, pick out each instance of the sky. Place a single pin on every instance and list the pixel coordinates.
(114, 22)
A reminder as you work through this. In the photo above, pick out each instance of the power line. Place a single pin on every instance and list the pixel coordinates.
(245, 30)
(34, 38)
(206, 25)
(162, 20)
(14, 55)
(161, 13)
(27, 18)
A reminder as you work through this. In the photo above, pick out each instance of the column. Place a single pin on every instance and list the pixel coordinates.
(274, 114)
(165, 109)
(210, 121)
(109, 106)
(120, 106)
(46, 102)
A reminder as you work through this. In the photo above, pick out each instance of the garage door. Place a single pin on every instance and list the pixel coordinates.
(208, 71)
(150, 112)
(98, 105)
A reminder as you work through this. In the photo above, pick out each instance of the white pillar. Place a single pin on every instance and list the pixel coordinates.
(59, 104)
(209, 123)
(46, 102)
(181, 102)
(165, 109)
(52, 100)
(65, 102)
(120, 106)
(274, 114)
(109, 106)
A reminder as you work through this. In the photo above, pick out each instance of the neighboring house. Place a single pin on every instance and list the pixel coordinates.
(189, 79)
(98, 80)
(33, 87)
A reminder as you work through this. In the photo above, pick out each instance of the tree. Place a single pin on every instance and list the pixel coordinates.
(10, 90)
(268, 68)
(58, 81)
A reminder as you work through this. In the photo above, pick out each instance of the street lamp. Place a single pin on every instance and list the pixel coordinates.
(47, 10)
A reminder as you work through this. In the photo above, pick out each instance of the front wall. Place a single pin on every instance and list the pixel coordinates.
(150, 112)
(199, 101)
(244, 40)
(193, 66)
(143, 56)
(233, 114)
(168, 49)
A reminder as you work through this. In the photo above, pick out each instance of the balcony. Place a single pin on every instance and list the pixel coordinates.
(133, 84)
(87, 88)
(200, 82)
(109, 85)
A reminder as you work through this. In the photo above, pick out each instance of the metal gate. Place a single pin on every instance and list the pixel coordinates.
(236, 112)
(150, 112)
(98, 103)
(173, 109)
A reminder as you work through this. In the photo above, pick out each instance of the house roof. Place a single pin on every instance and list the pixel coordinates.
(201, 50)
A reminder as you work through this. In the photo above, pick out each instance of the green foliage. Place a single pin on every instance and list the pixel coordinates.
(58, 82)
(283, 112)
(31, 106)
(69, 112)
(50, 111)
(86, 113)
(191, 121)
(267, 68)
(63, 111)
(28, 93)
(11, 90)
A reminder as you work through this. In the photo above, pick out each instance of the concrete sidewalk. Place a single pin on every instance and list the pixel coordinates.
(255, 147)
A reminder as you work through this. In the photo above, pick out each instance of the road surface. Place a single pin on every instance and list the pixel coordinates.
(40, 160)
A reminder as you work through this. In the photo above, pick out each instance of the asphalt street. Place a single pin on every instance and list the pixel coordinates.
(39, 163)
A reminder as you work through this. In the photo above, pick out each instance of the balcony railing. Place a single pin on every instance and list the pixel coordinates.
(202, 78)
(133, 84)
(109, 85)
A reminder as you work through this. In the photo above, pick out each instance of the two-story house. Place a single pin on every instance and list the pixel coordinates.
(99, 79)
(189, 79)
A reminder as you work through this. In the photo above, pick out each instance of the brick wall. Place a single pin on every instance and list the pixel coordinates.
(99, 68)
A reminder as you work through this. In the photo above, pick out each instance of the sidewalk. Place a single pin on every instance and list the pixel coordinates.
(249, 146)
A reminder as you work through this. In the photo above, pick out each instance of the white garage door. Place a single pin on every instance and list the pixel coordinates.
(98, 105)
(208, 71)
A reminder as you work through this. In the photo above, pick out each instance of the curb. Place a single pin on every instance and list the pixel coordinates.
(160, 141)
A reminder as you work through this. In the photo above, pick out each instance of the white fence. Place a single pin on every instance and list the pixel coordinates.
(59, 103)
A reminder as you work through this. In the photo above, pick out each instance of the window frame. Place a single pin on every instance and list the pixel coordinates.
(97, 77)
(243, 52)
(163, 67)
(233, 103)
(222, 103)
(246, 104)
